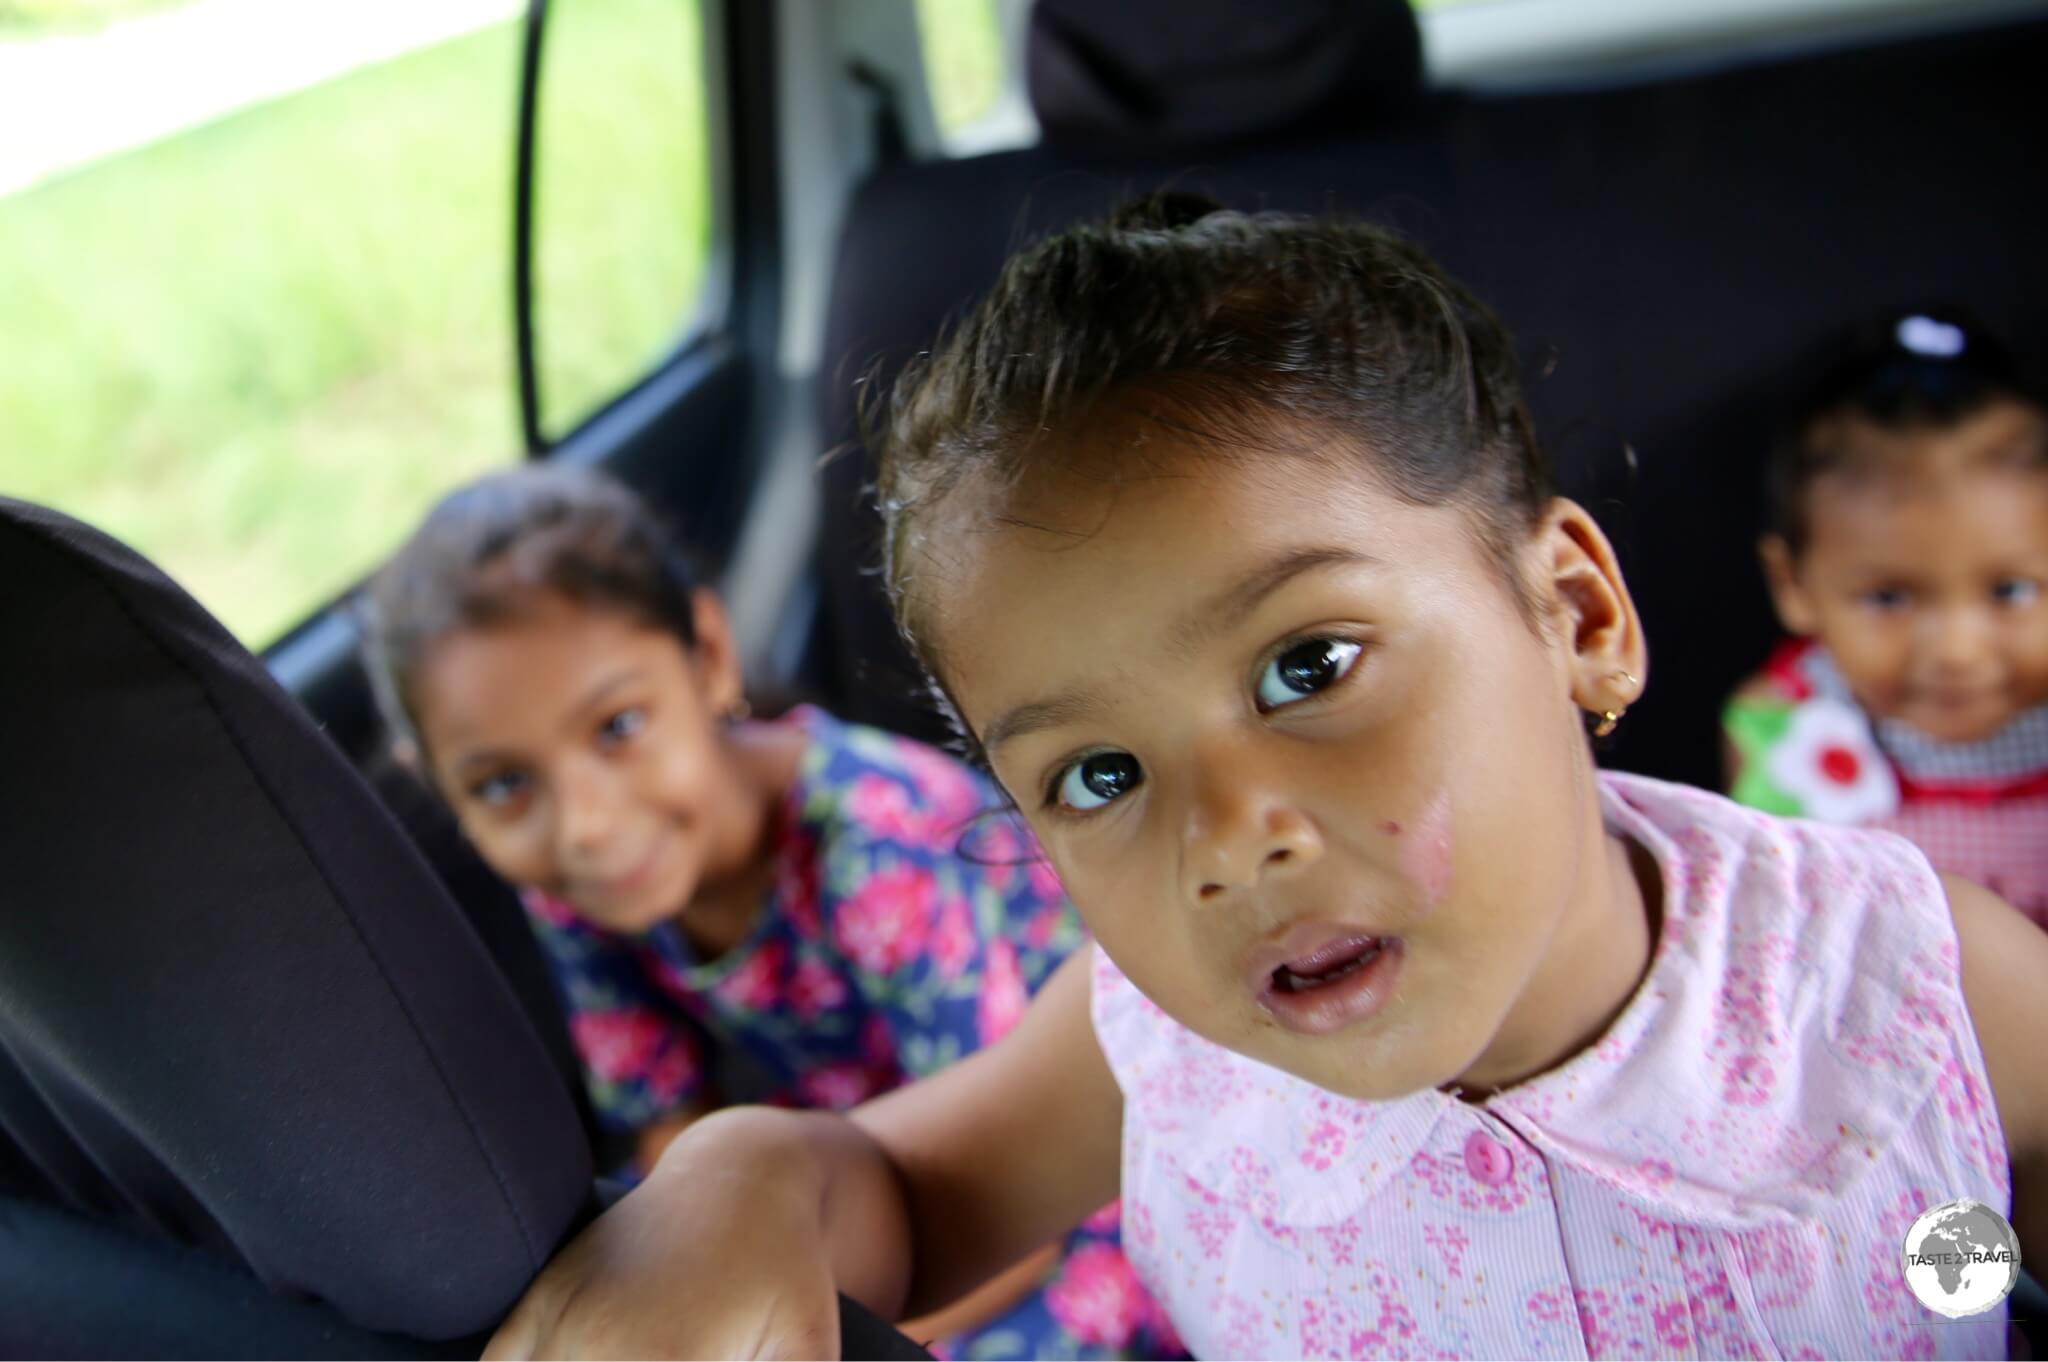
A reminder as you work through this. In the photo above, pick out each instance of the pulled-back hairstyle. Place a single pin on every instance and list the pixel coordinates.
(490, 552)
(1242, 326)
(1913, 369)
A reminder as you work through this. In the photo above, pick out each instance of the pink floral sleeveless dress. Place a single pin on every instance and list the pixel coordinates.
(1730, 1172)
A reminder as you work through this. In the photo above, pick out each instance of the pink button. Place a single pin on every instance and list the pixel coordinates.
(1487, 1159)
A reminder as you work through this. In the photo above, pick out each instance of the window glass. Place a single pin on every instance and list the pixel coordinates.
(963, 60)
(255, 312)
(623, 198)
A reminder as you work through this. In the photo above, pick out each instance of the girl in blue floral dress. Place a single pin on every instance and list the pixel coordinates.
(827, 910)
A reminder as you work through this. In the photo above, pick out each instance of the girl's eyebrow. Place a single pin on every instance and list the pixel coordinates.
(1228, 607)
(597, 694)
(1213, 616)
(1065, 708)
(476, 761)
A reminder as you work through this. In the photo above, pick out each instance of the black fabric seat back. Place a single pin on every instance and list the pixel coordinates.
(237, 1010)
(1667, 255)
(76, 1287)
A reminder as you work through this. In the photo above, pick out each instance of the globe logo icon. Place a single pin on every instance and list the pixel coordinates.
(1961, 1259)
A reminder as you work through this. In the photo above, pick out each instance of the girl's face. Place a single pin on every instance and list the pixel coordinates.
(1318, 787)
(1927, 579)
(581, 751)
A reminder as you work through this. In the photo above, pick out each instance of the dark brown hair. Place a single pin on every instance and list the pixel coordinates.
(1914, 369)
(1241, 325)
(491, 551)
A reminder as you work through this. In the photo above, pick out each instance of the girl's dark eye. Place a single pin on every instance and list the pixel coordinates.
(2016, 591)
(1888, 598)
(1095, 780)
(500, 789)
(1307, 667)
(623, 725)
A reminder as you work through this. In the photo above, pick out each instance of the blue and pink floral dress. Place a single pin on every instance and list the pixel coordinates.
(911, 918)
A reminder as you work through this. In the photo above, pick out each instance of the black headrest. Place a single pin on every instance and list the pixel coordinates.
(1144, 77)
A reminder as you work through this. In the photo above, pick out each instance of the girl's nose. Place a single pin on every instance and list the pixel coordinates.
(586, 807)
(1959, 637)
(1240, 831)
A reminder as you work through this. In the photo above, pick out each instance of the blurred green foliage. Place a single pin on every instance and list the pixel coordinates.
(38, 16)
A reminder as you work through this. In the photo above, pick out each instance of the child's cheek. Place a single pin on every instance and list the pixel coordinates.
(1425, 855)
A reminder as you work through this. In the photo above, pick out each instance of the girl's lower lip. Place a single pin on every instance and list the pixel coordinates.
(1342, 1002)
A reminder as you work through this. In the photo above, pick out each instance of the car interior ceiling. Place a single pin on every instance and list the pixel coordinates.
(1665, 248)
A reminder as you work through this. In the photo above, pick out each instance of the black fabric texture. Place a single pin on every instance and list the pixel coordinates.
(493, 910)
(1142, 77)
(237, 1010)
(75, 1288)
(1667, 255)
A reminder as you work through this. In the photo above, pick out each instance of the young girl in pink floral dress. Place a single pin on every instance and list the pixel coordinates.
(1407, 1033)
(831, 909)
(1908, 555)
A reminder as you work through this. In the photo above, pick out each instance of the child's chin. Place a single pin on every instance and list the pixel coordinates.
(1951, 728)
(636, 919)
(1363, 1077)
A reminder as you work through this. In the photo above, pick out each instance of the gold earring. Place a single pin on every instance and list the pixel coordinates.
(1611, 718)
(739, 711)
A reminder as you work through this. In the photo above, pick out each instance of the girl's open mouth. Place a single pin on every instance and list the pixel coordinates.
(1341, 979)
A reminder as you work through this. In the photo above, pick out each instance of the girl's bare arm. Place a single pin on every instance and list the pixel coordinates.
(1005, 1151)
(2005, 982)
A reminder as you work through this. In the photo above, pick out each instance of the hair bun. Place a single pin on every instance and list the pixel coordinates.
(1165, 211)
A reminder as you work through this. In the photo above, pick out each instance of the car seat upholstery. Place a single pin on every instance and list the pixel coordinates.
(236, 1008)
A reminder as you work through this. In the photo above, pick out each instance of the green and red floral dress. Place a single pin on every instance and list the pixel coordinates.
(1803, 747)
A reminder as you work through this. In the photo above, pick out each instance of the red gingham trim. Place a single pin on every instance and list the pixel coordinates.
(1971, 791)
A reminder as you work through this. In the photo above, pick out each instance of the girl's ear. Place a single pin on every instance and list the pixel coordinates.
(1609, 661)
(716, 655)
(1781, 572)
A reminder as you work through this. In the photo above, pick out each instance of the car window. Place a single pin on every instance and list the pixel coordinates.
(963, 54)
(257, 309)
(623, 218)
(973, 75)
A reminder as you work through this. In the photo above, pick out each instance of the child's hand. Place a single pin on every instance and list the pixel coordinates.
(718, 1254)
(654, 1138)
